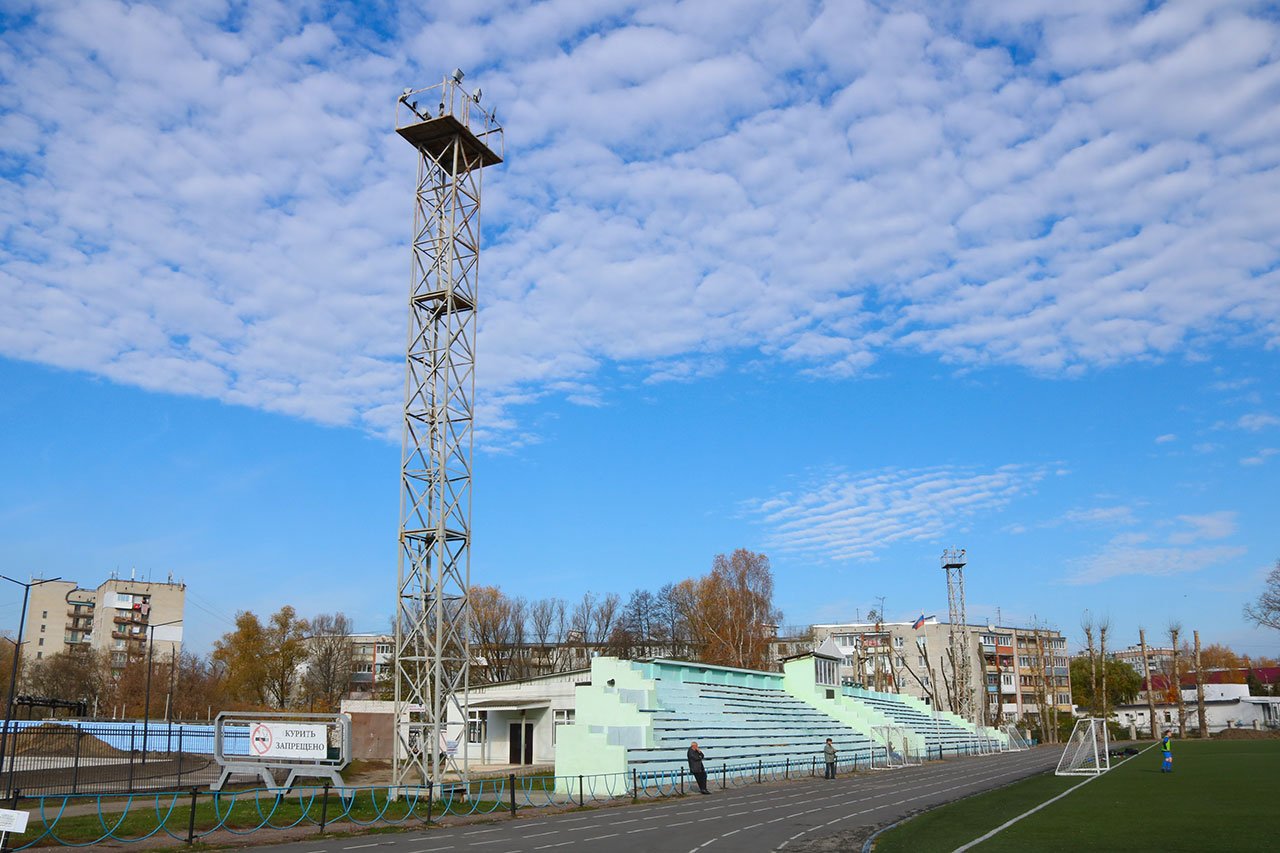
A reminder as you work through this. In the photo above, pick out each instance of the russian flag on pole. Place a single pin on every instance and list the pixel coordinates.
(915, 626)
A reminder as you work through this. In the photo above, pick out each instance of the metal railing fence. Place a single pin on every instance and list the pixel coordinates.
(190, 815)
(75, 757)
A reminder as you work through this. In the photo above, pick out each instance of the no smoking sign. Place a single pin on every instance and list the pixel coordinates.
(261, 739)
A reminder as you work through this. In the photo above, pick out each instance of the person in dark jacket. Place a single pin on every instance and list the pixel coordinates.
(829, 756)
(699, 772)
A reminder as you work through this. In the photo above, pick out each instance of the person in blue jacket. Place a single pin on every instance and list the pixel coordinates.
(1166, 748)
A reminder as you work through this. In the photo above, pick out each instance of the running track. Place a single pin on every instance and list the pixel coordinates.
(762, 818)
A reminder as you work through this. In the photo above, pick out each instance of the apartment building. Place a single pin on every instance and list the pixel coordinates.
(372, 660)
(119, 616)
(1160, 659)
(1010, 668)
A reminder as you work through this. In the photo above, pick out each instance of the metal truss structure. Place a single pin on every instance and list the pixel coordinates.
(454, 139)
(953, 563)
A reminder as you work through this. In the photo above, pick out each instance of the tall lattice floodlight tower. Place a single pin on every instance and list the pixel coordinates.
(455, 139)
(953, 563)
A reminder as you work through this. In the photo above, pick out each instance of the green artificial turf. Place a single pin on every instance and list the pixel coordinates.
(1222, 795)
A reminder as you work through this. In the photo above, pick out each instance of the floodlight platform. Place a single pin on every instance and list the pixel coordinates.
(436, 135)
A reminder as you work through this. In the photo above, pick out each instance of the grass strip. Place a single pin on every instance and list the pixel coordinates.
(246, 813)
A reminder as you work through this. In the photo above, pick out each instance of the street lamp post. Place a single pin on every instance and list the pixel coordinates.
(13, 677)
(146, 710)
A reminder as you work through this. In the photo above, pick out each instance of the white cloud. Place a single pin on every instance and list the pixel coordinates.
(1213, 525)
(1260, 457)
(1133, 554)
(1122, 561)
(1166, 438)
(224, 212)
(1101, 515)
(854, 516)
(1257, 421)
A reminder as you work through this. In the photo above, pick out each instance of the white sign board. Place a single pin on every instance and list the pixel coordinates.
(13, 821)
(167, 634)
(288, 740)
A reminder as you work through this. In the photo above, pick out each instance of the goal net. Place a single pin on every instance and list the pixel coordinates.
(1086, 753)
(1017, 743)
(893, 748)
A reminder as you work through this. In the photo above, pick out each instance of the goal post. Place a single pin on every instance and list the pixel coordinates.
(1087, 751)
(1017, 743)
(892, 748)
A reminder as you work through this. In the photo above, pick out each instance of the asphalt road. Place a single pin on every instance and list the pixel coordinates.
(779, 816)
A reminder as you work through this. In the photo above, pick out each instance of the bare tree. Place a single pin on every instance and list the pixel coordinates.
(1265, 612)
(491, 634)
(548, 631)
(329, 662)
(75, 675)
(1104, 625)
(669, 620)
(1087, 625)
(605, 618)
(1151, 690)
(1175, 681)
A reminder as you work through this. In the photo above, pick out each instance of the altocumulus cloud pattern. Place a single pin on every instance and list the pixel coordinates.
(206, 198)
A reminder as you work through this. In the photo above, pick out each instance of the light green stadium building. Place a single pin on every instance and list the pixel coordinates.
(635, 720)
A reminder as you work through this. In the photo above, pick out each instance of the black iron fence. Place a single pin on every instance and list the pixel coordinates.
(75, 757)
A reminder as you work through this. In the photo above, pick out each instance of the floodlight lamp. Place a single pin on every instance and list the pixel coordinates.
(458, 75)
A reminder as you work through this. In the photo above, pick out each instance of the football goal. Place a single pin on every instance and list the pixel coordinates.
(893, 748)
(1017, 743)
(1087, 750)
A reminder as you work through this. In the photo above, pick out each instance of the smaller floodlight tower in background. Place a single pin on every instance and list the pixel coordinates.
(455, 138)
(953, 563)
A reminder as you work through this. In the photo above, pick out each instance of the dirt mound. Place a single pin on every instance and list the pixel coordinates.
(52, 739)
(1246, 734)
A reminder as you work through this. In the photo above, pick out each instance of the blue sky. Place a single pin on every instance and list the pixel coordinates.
(843, 283)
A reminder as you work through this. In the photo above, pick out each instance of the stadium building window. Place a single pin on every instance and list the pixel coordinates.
(477, 726)
(563, 717)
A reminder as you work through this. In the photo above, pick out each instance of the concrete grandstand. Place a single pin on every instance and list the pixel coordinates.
(636, 719)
